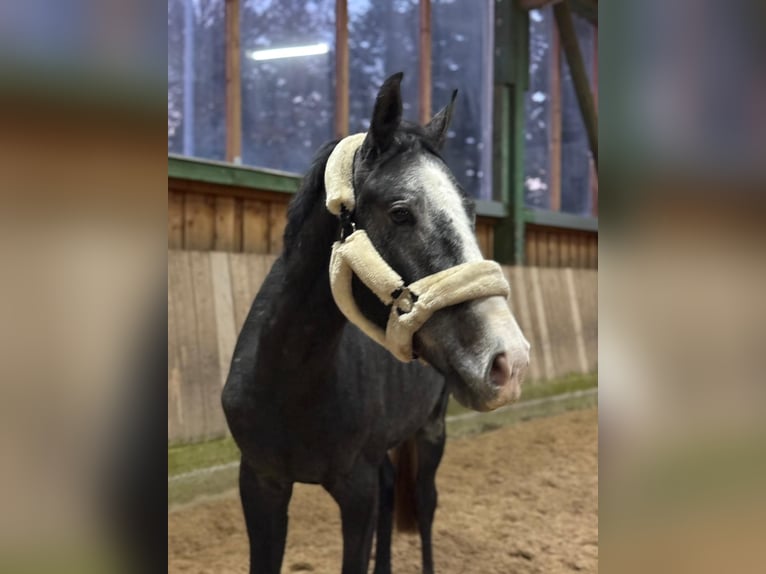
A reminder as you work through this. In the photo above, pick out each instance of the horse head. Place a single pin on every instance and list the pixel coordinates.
(418, 225)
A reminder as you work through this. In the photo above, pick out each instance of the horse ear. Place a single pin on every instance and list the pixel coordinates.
(386, 116)
(439, 124)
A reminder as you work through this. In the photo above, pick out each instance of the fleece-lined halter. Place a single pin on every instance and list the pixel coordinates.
(411, 305)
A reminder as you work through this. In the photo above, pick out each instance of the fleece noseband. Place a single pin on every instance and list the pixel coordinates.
(411, 305)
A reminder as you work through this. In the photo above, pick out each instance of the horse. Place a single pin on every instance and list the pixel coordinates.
(312, 398)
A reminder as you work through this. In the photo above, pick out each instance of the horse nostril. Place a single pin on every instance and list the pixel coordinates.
(500, 371)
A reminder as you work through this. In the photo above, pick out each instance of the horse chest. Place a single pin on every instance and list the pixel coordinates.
(308, 431)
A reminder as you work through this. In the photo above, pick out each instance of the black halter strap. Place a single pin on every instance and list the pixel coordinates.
(347, 223)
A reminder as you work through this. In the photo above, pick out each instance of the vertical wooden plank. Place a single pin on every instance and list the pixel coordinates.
(207, 345)
(184, 317)
(175, 220)
(576, 260)
(277, 222)
(518, 277)
(233, 84)
(425, 61)
(548, 367)
(561, 329)
(553, 249)
(199, 221)
(226, 232)
(175, 380)
(528, 255)
(255, 226)
(530, 247)
(566, 244)
(536, 240)
(583, 251)
(258, 267)
(490, 242)
(341, 68)
(482, 238)
(542, 249)
(586, 289)
(223, 304)
(241, 293)
(593, 252)
(574, 303)
(238, 224)
(555, 125)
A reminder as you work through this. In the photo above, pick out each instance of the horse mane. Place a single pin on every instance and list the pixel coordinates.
(309, 193)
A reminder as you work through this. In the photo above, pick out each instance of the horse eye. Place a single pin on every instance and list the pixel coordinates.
(400, 215)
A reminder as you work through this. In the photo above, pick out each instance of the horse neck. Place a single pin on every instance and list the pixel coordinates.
(306, 325)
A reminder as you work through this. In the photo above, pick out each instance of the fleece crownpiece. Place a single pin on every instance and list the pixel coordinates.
(339, 174)
(411, 305)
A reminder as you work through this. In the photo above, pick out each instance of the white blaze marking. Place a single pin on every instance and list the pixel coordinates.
(444, 197)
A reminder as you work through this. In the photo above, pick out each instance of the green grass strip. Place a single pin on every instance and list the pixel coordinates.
(183, 458)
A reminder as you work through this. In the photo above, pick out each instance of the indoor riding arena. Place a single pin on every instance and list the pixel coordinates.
(255, 89)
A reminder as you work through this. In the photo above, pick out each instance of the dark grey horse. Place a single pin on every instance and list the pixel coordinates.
(311, 399)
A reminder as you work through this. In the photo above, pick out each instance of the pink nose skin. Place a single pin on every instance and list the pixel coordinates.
(500, 372)
(505, 377)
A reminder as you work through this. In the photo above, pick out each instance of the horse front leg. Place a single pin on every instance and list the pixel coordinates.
(385, 518)
(429, 456)
(264, 503)
(429, 443)
(357, 496)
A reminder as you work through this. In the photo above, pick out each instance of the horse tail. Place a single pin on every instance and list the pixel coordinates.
(406, 461)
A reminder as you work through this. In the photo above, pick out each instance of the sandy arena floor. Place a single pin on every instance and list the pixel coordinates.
(519, 499)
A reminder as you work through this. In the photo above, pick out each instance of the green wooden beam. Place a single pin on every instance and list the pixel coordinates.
(511, 81)
(491, 209)
(521, 45)
(561, 220)
(229, 174)
(222, 173)
(502, 125)
(563, 13)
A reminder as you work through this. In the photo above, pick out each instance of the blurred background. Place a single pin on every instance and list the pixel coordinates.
(85, 163)
(255, 87)
(681, 311)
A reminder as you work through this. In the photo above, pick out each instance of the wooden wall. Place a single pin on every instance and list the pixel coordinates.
(211, 217)
(555, 247)
(210, 293)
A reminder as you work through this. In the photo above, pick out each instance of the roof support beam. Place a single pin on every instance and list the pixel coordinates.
(568, 36)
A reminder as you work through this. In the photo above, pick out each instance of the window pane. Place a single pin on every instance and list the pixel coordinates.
(287, 95)
(462, 52)
(575, 151)
(382, 40)
(538, 112)
(196, 78)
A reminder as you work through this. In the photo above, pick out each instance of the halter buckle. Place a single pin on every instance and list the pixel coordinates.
(404, 299)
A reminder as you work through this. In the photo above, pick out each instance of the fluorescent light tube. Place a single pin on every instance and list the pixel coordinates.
(292, 52)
